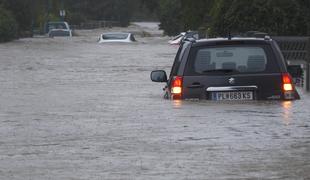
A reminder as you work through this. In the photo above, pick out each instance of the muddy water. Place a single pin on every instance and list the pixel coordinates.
(73, 109)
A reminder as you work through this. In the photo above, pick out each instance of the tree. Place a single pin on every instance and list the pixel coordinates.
(221, 17)
(195, 13)
(218, 12)
(276, 17)
(21, 9)
(114, 10)
(305, 6)
(183, 15)
(8, 26)
(170, 16)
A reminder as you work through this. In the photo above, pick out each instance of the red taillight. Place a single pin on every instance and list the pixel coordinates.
(176, 85)
(287, 82)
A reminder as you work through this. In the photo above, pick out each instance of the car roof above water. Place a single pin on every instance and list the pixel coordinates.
(120, 33)
(233, 41)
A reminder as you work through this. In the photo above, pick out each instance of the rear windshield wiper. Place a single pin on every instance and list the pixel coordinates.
(221, 70)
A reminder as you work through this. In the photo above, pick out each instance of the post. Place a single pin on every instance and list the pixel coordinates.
(32, 18)
(307, 73)
(307, 77)
(47, 18)
(62, 10)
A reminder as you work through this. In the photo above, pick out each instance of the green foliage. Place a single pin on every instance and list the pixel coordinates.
(218, 12)
(145, 10)
(124, 11)
(114, 10)
(152, 5)
(195, 15)
(276, 17)
(8, 26)
(34, 13)
(75, 18)
(22, 11)
(170, 16)
(220, 17)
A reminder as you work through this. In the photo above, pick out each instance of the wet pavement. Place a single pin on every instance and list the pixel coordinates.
(74, 109)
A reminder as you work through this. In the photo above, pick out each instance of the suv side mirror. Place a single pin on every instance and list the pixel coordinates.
(295, 71)
(159, 76)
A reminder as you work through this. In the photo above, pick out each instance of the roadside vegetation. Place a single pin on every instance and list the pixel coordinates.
(8, 26)
(220, 17)
(19, 18)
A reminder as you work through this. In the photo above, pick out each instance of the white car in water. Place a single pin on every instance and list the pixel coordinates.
(59, 29)
(178, 39)
(184, 35)
(116, 37)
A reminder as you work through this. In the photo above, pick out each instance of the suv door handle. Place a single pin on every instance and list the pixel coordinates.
(195, 85)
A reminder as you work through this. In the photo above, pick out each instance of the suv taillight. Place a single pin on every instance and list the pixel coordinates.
(176, 87)
(287, 82)
(288, 87)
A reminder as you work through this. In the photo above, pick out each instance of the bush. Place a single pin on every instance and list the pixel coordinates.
(8, 26)
(275, 17)
(75, 18)
(170, 17)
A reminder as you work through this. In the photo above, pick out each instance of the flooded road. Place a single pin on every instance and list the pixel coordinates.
(74, 109)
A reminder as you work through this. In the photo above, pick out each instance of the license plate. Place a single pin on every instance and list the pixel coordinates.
(232, 96)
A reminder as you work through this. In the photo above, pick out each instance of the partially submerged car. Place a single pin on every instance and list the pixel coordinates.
(182, 36)
(59, 29)
(116, 37)
(228, 69)
(177, 39)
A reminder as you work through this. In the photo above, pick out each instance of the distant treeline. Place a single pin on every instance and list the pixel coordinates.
(220, 17)
(216, 17)
(18, 18)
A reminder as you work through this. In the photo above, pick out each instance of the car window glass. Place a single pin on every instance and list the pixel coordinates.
(114, 36)
(178, 59)
(132, 38)
(241, 59)
(57, 26)
(182, 52)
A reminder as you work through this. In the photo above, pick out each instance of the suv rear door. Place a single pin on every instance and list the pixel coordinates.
(176, 67)
(214, 71)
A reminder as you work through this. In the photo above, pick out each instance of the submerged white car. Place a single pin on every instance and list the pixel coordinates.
(59, 29)
(178, 39)
(184, 35)
(116, 37)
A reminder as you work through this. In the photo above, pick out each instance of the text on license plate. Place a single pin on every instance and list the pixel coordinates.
(237, 95)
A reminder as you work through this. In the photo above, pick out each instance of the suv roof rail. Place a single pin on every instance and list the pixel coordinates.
(267, 38)
(256, 34)
(193, 40)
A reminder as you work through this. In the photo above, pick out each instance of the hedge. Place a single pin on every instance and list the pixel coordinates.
(8, 26)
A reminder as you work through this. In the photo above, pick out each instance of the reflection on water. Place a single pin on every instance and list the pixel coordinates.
(287, 112)
(177, 103)
(268, 109)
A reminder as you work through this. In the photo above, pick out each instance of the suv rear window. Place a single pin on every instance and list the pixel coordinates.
(236, 59)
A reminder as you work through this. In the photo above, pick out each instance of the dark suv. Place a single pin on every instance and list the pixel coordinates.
(228, 69)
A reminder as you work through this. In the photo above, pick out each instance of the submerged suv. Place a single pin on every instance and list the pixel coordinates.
(228, 69)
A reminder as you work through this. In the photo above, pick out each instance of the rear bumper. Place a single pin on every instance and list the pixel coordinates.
(232, 88)
(257, 94)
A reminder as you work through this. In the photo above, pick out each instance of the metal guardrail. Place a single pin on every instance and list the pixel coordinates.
(86, 25)
(96, 24)
(297, 51)
(294, 48)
